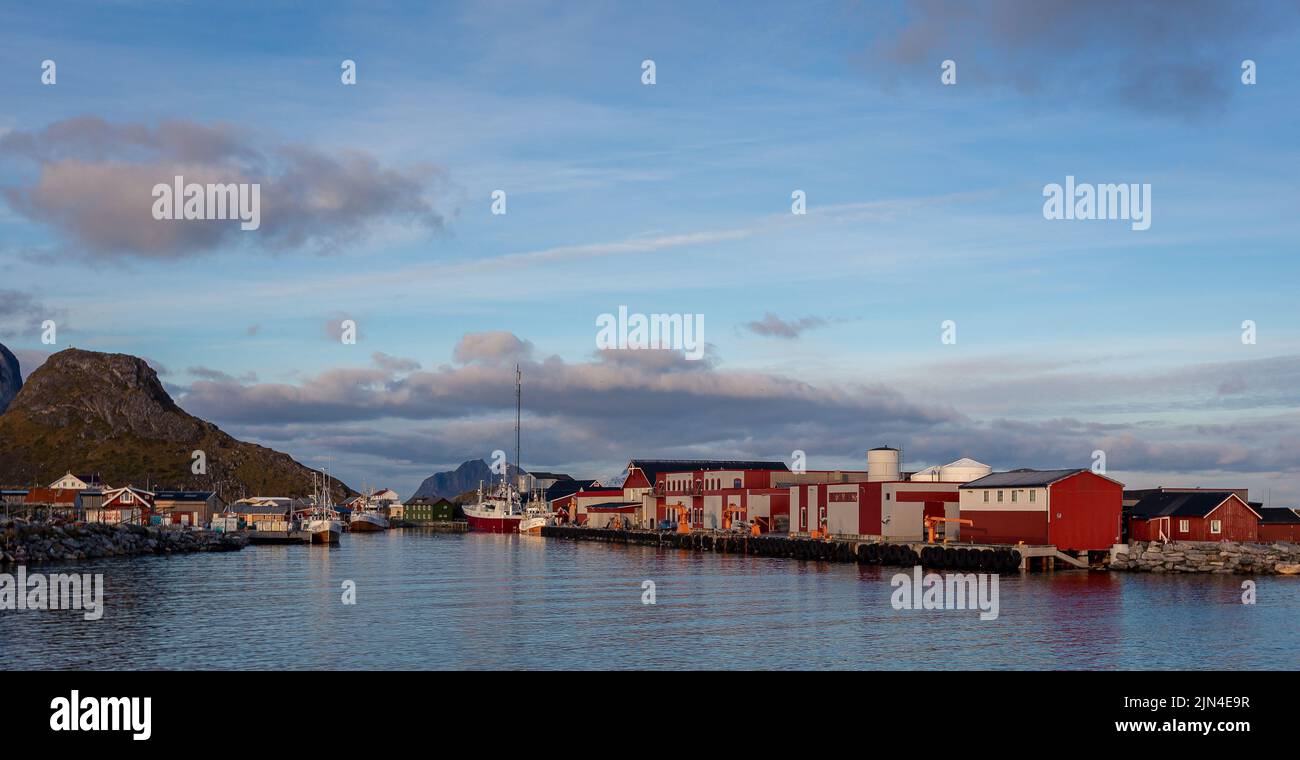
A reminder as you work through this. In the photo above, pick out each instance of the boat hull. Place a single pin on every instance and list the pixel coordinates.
(481, 524)
(368, 523)
(324, 531)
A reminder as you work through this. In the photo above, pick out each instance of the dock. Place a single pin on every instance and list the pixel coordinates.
(278, 537)
(988, 558)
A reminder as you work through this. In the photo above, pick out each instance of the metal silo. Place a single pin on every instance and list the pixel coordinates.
(882, 464)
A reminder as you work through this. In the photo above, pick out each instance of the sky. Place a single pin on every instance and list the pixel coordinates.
(922, 300)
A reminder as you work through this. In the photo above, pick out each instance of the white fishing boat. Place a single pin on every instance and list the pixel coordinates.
(367, 521)
(322, 522)
(369, 512)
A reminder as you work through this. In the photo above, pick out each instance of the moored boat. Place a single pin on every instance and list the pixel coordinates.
(367, 521)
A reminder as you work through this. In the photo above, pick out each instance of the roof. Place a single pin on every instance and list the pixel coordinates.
(422, 500)
(562, 488)
(1180, 504)
(52, 496)
(652, 467)
(550, 476)
(1022, 478)
(1279, 516)
(257, 509)
(612, 506)
(183, 495)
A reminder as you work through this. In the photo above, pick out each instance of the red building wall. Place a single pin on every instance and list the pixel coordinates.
(1280, 532)
(1085, 512)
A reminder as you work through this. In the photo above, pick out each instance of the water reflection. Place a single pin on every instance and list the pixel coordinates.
(429, 600)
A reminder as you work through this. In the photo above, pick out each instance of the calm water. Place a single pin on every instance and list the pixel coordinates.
(429, 600)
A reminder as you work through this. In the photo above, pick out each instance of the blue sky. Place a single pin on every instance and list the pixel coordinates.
(924, 205)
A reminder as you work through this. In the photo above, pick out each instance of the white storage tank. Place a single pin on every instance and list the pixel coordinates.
(964, 470)
(932, 474)
(882, 464)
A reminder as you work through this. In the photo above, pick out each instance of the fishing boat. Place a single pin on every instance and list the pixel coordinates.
(322, 522)
(366, 514)
(500, 508)
(367, 521)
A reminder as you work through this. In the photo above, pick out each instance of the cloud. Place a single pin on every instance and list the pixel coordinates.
(1141, 54)
(490, 348)
(22, 314)
(399, 416)
(394, 364)
(206, 373)
(95, 181)
(773, 326)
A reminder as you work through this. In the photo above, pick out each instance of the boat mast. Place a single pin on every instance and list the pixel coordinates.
(518, 406)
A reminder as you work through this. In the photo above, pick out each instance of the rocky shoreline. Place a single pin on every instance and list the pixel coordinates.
(22, 542)
(1218, 557)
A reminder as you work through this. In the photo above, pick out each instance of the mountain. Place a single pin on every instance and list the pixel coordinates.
(84, 411)
(453, 483)
(11, 379)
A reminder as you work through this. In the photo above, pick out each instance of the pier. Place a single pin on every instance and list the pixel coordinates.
(988, 558)
(278, 536)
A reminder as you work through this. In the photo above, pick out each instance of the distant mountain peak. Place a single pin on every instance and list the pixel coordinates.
(85, 411)
(466, 477)
(11, 377)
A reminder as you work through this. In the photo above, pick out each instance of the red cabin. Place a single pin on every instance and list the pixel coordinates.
(1193, 516)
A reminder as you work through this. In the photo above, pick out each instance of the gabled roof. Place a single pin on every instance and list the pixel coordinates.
(1181, 504)
(562, 488)
(52, 496)
(1279, 516)
(1024, 478)
(183, 495)
(652, 467)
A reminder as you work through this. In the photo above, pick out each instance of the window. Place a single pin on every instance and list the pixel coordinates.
(999, 497)
(1184, 526)
(1015, 495)
(986, 497)
(887, 495)
(1032, 496)
(1216, 527)
(803, 518)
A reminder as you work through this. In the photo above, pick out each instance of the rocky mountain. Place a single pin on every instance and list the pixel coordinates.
(11, 379)
(84, 411)
(466, 477)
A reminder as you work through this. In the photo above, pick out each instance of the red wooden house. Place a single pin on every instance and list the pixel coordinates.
(124, 505)
(1193, 516)
(1279, 524)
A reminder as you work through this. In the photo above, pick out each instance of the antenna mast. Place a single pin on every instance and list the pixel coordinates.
(518, 407)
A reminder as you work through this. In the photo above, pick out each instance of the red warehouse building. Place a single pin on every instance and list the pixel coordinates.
(891, 510)
(1279, 524)
(1073, 510)
(712, 491)
(1193, 516)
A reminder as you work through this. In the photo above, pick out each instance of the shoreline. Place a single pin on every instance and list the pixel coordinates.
(33, 543)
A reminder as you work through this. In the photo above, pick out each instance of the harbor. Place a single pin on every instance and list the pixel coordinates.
(480, 601)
